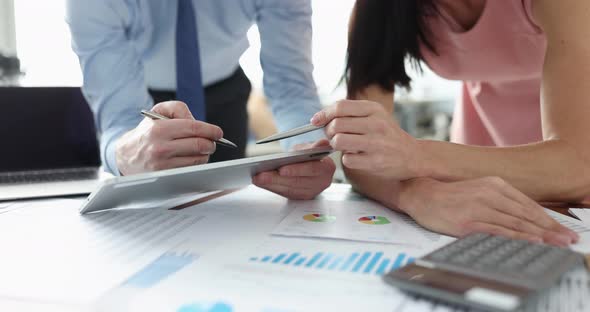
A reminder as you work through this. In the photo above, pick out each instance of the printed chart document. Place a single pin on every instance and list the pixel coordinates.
(583, 246)
(574, 224)
(582, 213)
(50, 253)
(257, 271)
(281, 274)
(292, 274)
(358, 221)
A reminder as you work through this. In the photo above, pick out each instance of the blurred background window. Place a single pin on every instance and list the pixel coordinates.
(43, 44)
(37, 32)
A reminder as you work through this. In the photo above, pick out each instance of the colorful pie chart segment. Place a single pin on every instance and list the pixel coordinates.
(318, 217)
(374, 220)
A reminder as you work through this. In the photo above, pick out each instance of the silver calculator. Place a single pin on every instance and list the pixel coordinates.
(486, 272)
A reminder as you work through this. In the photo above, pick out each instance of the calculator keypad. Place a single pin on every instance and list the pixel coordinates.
(505, 259)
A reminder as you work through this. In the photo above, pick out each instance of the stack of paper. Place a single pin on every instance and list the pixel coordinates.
(581, 213)
(583, 245)
(50, 253)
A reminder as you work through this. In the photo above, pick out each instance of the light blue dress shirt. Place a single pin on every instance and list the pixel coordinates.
(127, 46)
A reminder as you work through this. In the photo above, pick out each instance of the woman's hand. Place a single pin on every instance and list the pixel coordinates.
(487, 205)
(371, 140)
(299, 181)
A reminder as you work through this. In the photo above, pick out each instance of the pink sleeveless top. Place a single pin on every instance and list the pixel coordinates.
(500, 61)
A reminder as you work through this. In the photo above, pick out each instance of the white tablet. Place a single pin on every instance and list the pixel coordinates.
(165, 184)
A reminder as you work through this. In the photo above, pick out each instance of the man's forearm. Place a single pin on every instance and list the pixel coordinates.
(546, 171)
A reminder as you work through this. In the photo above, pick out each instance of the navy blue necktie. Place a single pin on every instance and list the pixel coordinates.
(189, 88)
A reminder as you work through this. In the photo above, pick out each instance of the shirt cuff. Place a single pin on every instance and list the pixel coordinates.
(298, 115)
(108, 147)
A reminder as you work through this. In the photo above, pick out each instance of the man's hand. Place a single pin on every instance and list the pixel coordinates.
(299, 181)
(164, 144)
(487, 205)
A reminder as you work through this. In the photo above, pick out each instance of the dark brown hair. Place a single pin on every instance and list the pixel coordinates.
(382, 34)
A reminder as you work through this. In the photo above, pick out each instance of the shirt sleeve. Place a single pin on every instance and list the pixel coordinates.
(286, 58)
(114, 83)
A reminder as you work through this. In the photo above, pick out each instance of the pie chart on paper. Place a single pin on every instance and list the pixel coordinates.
(374, 220)
(318, 217)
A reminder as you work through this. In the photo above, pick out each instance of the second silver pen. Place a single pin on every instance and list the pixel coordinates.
(156, 116)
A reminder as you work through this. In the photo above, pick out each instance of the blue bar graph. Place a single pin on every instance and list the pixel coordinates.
(357, 267)
(313, 260)
(373, 262)
(324, 261)
(367, 262)
(349, 261)
(216, 307)
(164, 266)
(299, 261)
(278, 258)
(335, 263)
(291, 258)
(383, 267)
(398, 261)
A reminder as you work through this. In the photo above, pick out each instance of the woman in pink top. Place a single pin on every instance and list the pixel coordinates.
(521, 130)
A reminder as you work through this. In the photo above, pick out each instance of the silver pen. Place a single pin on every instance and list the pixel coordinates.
(289, 133)
(156, 116)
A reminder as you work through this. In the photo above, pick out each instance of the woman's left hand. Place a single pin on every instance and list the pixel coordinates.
(370, 139)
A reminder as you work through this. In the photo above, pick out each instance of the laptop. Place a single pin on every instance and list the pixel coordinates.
(48, 143)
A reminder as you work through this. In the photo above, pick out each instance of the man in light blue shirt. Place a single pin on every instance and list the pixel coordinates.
(129, 55)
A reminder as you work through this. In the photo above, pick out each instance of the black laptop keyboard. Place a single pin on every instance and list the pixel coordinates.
(54, 175)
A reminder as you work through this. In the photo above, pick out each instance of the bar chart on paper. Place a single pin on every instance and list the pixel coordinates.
(164, 266)
(368, 262)
(214, 307)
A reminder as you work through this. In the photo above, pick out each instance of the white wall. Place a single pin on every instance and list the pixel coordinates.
(44, 48)
(330, 28)
(44, 44)
(48, 60)
(7, 28)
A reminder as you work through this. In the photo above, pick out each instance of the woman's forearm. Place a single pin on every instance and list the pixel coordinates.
(383, 190)
(546, 171)
(403, 196)
(397, 195)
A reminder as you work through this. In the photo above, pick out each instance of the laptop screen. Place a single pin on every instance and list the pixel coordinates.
(46, 128)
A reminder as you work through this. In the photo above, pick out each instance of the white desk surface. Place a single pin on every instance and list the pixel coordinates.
(227, 271)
